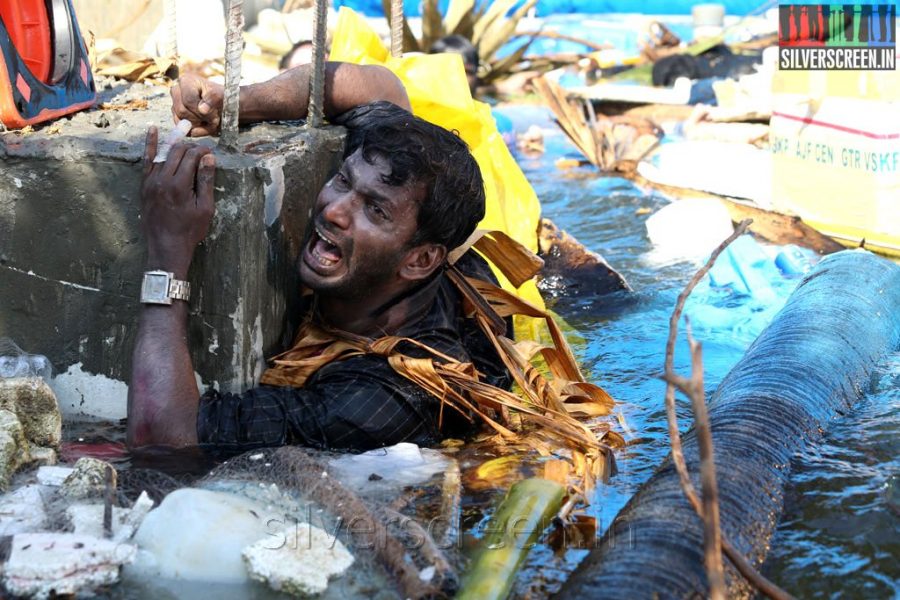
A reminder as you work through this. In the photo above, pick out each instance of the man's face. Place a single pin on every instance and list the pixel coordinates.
(472, 76)
(361, 230)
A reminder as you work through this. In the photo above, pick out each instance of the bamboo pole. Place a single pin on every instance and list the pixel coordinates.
(527, 510)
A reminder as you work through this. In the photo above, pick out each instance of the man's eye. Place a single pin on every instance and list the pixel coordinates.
(341, 180)
(379, 212)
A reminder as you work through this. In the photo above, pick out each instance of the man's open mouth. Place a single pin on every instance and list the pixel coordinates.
(322, 250)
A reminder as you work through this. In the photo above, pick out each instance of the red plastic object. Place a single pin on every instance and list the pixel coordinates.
(27, 94)
(29, 27)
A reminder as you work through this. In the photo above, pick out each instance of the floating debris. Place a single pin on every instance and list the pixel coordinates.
(53, 476)
(42, 565)
(298, 561)
(22, 511)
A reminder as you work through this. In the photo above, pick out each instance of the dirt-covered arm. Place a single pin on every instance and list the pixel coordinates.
(176, 211)
(286, 96)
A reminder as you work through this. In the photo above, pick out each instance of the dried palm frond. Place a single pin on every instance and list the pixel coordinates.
(609, 144)
(485, 24)
(135, 66)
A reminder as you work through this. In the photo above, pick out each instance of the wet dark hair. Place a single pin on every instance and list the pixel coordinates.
(458, 44)
(419, 151)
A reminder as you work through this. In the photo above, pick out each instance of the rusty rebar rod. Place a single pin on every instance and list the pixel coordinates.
(234, 47)
(316, 113)
(170, 15)
(397, 28)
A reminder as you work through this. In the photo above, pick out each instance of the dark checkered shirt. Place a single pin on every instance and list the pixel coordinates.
(360, 403)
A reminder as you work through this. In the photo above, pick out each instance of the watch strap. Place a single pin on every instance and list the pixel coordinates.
(179, 289)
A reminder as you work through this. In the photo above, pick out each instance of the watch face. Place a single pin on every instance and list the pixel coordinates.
(155, 288)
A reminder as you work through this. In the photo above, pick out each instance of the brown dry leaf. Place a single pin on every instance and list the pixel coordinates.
(616, 144)
(92, 50)
(500, 31)
(528, 348)
(586, 409)
(432, 25)
(520, 266)
(133, 66)
(558, 471)
(495, 473)
(136, 104)
(567, 163)
(578, 531)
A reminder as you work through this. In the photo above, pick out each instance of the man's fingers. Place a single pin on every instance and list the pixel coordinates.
(206, 178)
(201, 130)
(150, 143)
(177, 104)
(206, 127)
(190, 92)
(176, 154)
(190, 165)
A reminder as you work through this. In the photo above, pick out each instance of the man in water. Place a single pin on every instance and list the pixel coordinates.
(375, 258)
(457, 44)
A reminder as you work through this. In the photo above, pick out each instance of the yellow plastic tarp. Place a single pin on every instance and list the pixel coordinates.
(439, 93)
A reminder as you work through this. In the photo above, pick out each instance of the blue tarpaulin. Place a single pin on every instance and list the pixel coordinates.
(551, 7)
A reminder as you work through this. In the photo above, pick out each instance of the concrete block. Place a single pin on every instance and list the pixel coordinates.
(72, 258)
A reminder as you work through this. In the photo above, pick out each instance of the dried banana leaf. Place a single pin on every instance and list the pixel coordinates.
(495, 10)
(133, 66)
(500, 31)
(432, 23)
(458, 12)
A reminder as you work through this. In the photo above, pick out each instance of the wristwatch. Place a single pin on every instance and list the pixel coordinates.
(161, 287)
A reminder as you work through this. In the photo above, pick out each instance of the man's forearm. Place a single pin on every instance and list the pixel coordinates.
(346, 86)
(163, 397)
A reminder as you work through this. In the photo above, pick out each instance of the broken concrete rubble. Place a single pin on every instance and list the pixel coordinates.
(35, 405)
(71, 255)
(30, 425)
(41, 565)
(298, 561)
(87, 519)
(41, 456)
(13, 446)
(88, 479)
(53, 476)
(22, 511)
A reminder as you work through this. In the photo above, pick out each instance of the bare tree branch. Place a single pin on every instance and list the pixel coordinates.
(707, 509)
(712, 535)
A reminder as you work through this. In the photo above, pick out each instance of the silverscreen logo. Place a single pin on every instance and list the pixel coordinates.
(841, 37)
